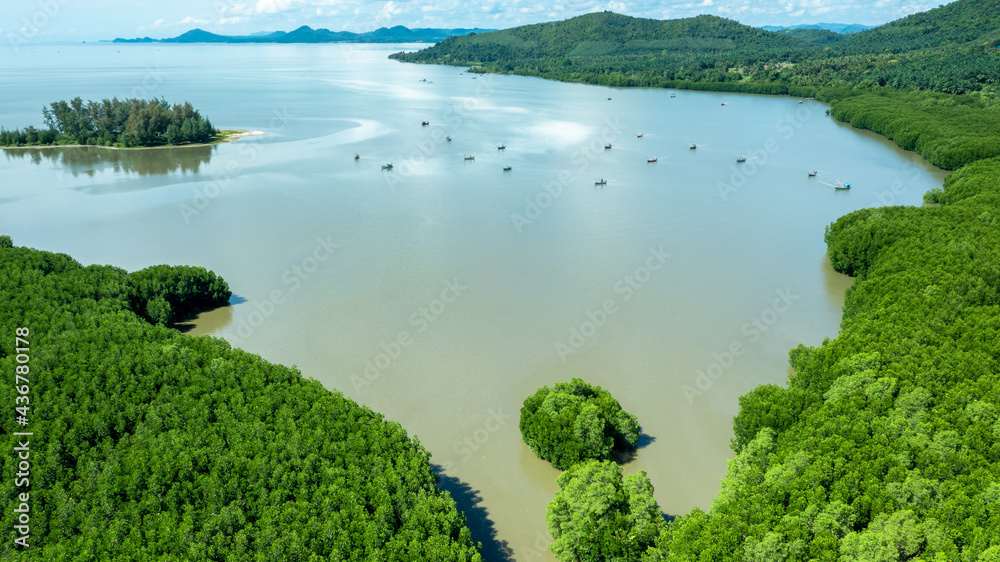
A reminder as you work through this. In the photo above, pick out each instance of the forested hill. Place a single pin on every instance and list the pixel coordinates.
(948, 49)
(608, 34)
(152, 445)
(963, 23)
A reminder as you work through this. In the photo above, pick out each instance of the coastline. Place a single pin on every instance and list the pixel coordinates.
(225, 136)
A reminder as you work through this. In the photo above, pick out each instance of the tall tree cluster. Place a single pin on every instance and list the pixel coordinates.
(114, 122)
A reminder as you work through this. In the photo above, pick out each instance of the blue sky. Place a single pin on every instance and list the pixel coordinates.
(90, 20)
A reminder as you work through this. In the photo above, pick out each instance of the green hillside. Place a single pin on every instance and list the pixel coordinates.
(152, 445)
(949, 49)
(961, 23)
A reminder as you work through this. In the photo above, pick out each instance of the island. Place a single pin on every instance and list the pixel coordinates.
(306, 34)
(114, 123)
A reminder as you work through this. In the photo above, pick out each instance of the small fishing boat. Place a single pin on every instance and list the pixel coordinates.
(387, 165)
(723, 103)
(741, 159)
(693, 146)
(651, 160)
(447, 139)
(506, 168)
(601, 182)
(607, 146)
(470, 157)
(842, 185)
(813, 173)
(424, 123)
(639, 135)
(357, 156)
(673, 95)
(609, 99)
(501, 147)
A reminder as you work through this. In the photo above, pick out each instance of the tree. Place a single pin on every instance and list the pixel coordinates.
(597, 515)
(575, 421)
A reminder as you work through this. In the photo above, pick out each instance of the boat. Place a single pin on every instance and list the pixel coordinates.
(651, 160)
(609, 99)
(501, 146)
(470, 157)
(506, 168)
(387, 165)
(802, 102)
(723, 103)
(673, 95)
(447, 139)
(813, 173)
(842, 185)
(741, 159)
(425, 123)
(601, 182)
(693, 146)
(607, 146)
(357, 156)
(639, 136)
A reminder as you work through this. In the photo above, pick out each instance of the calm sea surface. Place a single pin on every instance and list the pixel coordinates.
(443, 292)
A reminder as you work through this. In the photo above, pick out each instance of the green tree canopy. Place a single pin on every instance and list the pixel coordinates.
(597, 515)
(575, 421)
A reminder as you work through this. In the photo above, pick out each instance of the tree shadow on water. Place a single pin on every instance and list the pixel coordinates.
(625, 456)
(469, 502)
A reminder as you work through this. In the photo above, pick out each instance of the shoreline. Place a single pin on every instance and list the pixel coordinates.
(225, 136)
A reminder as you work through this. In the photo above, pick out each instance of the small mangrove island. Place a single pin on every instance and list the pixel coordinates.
(129, 123)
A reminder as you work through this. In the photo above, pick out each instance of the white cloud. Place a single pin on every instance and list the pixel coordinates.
(273, 6)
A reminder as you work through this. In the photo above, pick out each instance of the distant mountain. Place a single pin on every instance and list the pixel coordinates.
(306, 34)
(841, 28)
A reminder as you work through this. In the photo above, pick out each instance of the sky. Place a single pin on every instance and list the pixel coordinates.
(38, 21)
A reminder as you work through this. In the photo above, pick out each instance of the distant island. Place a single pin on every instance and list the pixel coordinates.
(130, 123)
(306, 34)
